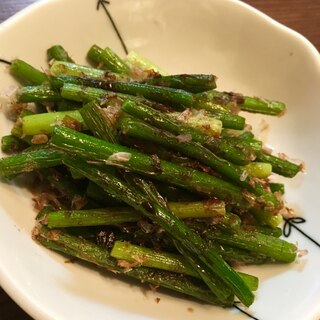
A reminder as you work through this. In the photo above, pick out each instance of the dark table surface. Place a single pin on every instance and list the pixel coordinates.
(300, 15)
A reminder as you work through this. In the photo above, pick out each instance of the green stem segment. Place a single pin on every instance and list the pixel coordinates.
(38, 94)
(267, 245)
(189, 82)
(142, 256)
(44, 122)
(261, 170)
(27, 73)
(29, 161)
(98, 122)
(57, 52)
(118, 215)
(227, 100)
(280, 166)
(59, 68)
(109, 59)
(258, 105)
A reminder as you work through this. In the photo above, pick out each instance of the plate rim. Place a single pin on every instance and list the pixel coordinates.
(7, 283)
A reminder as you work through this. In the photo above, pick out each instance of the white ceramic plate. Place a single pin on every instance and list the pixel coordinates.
(251, 54)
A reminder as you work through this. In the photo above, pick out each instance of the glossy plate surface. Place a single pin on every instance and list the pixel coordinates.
(250, 53)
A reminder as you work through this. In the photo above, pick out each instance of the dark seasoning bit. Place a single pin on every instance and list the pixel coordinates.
(156, 163)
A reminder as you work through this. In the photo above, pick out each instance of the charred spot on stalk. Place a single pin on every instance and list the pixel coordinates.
(237, 97)
(106, 238)
(158, 106)
(148, 206)
(110, 76)
(146, 226)
(209, 203)
(156, 163)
